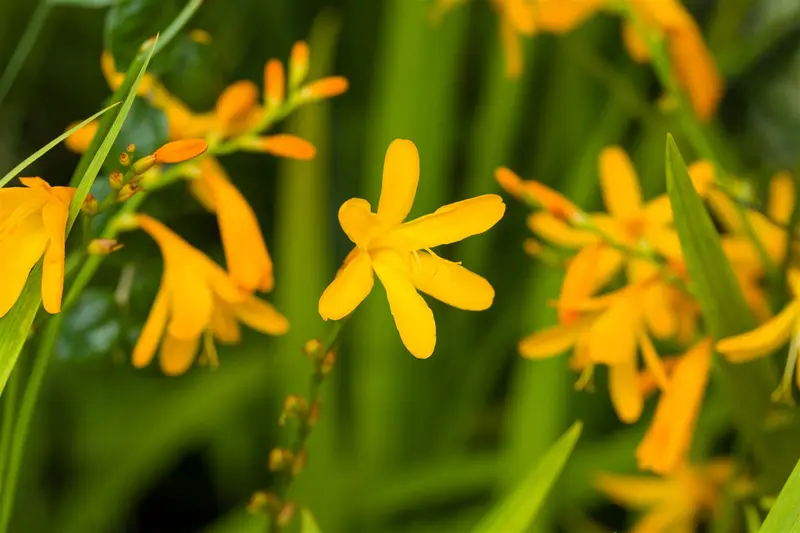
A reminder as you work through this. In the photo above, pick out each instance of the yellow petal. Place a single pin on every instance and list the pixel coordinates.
(658, 211)
(553, 341)
(400, 179)
(555, 230)
(623, 386)
(636, 46)
(658, 310)
(352, 284)
(412, 316)
(619, 183)
(261, 316)
(246, 253)
(696, 69)
(22, 247)
(590, 270)
(54, 216)
(79, 141)
(448, 224)
(611, 338)
(665, 241)
(450, 283)
(224, 325)
(704, 176)
(763, 340)
(177, 354)
(725, 211)
(652, 360)
(359, 223)
(520, 15)
(153, 329)
(512, 49)
(781, 197)
(635, 492)
(562, 17)
(666, 443)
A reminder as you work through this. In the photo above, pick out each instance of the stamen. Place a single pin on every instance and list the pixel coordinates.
(585, 381)
(210, 355)
(784, 392)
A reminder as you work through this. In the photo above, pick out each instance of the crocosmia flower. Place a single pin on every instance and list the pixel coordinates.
(401, 256)
(33, 221)
(196, 301)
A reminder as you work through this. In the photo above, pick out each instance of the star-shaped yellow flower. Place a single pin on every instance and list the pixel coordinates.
(33, 221)
(196, 300)
(400, 253)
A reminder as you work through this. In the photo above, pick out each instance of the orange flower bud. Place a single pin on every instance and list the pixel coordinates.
(299, 462)
(285, 515)
(540, 195)
(236, 101)
(312, 348)
(325, 88)
(124, 159)
(293, 407)
(90, 207)
(116, 180)
(200, 36)
(274, 83)
(180, 151)
(79, 141)
(298, 64)
(131, 148)
(280, 458)
(102, 246)
(327, 364)
(263, 503)
(283, 145)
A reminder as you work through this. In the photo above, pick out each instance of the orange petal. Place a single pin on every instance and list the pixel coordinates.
(557, 231)
(236, 104)
(79, 141)
(652, 360)
(261, 316)
(180, 151)
(54, 215)
(282, 145)
(399, 183)
(224, 325)
(177, 354)
(619, 183)
(763, 340)
(611, 338)
(23, 244)
(590, 270)
(326, 88)
(553, 341)
(623, 386)
(512, 50)
(636, 46)
(781, 197)
(298, 63)
(352, 284)
(153, 329)
(635, 492)
(696, 69)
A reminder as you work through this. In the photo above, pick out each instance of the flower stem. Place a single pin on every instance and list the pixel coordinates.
(286, 476)
(9, 412)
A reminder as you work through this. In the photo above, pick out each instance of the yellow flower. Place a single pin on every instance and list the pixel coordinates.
(666, 443)
(399, 253)
(672, 504)
(33, 223)
(196, 300)
(610, 330)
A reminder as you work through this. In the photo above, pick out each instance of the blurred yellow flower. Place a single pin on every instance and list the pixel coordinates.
(666, 444)
(33, 222)
(672, 504)
(196, 301)
(400, 253)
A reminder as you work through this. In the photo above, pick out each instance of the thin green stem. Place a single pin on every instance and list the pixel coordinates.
(24, 47)
(9, 412)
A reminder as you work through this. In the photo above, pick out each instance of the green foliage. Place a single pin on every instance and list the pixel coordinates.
(784, 517)
(131, 22)
(83, 3)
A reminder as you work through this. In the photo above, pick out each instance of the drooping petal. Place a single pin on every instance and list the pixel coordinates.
(450, 283)
(153, 329)
(763, 340)
(237, 107)
(22, 247)
(553, 341)
(781, 197)
(448, 224)
(611, 337)
(400, 179)
(659, 312)
(587, 272)
(666, 443)
(623, 386)
(557, 231)
(261, 316)
(177, 354)
(634, 43)
(246, 252)
(696, 69)
(352, 284)
(652, 360)
(619, 183)
(512, 49)
(412, 316)
(54, 216)
(223, 324)
(359, 223)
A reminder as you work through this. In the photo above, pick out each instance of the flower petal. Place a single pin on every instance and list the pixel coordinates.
(553, 341)
(237, 103)
(22, 247)
(450, 283)
(177, 354)
(54, 216)
(261, 316)
(556, 231)
(223, 324)
(623, 386)
(659, 311)
(666, 443)
(512, 49)
(781, 197)
(591, 269)
(696, 69)
(359, 223)
(611, 338)
(246, 254)
(352, 284)
(763, 340)
(412, 316)
(635, 492)
(619, 183)
(79, 141)
(180, 151)
(153, 329)
(400, 179)
(451, 223)
(652, 360)
(282, 145)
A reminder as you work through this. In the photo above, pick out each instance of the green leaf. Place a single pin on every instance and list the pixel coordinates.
(82, 3)
(49, 146)
(518, 510)
(307, 522)
(131, 22)
(784, 517)
(15, 325)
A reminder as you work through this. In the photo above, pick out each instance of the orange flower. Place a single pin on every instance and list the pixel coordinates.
(196, 300)
(33, 221)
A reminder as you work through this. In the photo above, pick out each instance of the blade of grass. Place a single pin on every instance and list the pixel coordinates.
(784, 517)
(49, 146)
(26, 43)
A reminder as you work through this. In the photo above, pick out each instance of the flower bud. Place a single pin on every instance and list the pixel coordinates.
(200, 36)
(274, 84)
(90, 207)
(293, 407)
(144, 164)
(298, 64)
(312, 348)
(325, 88)
(280, 459)
(131, 148)
(262, 502)
(300, 462)
(282, 145)
(286, 514)
(102, 246)
(180, 151)
(313, 414)
(125, 222)
(126, 192)
(124, 159)
(327, 364)
(116, 180)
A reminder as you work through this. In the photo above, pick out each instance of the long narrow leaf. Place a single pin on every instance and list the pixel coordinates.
(784, 517)
(49, 146)
(517, 511)
(14, 327)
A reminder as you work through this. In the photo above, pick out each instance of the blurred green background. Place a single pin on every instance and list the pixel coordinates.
(403, 445)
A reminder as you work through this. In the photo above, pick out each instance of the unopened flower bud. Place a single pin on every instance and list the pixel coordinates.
(125, 222)
(131, 148)
(144, 164)
(116, 180)
(124, 159)
(313, 414)
(293, 407)
(180, 151)
(200, 36)
(126, 192)
(300, 462)
(102, 246)
(262, 502)
(286, 514)
(280, 459)
(327, 364)
(312, 348)
(90, 207)
(274, 84)
(298, 64)
(325, 88)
